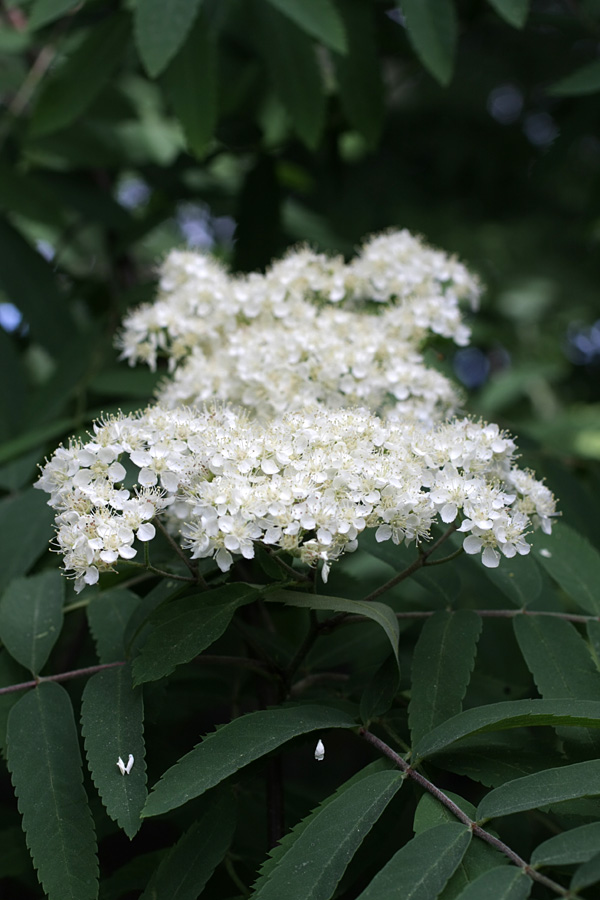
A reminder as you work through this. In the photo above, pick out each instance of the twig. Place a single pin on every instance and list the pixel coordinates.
(419, 563)
(191, 565)
(476, 829)
(289, 570)
(62, 676)
(316, 678)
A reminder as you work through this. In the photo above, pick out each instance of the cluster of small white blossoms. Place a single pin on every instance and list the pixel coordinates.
(312, 329)
(307, 482)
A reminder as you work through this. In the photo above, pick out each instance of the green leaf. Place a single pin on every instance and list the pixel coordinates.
(432, 30)
(514, 12)
(518, 578)
(441, 670)
(45, 764)
(112, 725)
(10, 673)
(587, 874)
(318, 18)
(542, 789)
(501, 883)
(358, 72)
(422, 867)
(45, 11)
(561, 664)
(108, 614)
(380, 613)
(191, 83)
(479, 858)
(379, 693)
(585, 80)
(573, 563)
(77, 83)
(493, 759)
(161, 27)
(290, 58)
(233, 746)
(184, 628)
(25, 276)
(578, 845)
(511, 714)
(31, 618)
(183, 873)
(280, 850)
(329, 838)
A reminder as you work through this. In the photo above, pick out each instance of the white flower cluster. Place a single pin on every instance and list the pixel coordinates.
(308, 482)
(311, 330)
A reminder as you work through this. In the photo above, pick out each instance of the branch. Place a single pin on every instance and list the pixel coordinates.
(476, 829)
(62, 676)
(192, 566)
(419, 563)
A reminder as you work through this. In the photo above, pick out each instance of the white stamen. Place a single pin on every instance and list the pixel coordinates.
(125, 769)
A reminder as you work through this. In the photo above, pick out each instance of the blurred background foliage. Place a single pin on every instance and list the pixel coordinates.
(245, 126)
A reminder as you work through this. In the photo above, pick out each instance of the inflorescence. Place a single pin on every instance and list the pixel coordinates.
(331, 424)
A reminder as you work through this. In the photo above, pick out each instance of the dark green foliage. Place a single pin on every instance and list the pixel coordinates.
(131, 128)
(112, 725)
(236, 745)
(45, 764)
(31, 618)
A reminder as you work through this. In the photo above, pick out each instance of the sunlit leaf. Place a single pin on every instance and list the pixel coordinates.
(432, 29)
(31, 618)
(329, 837)
(542, 789)
(442, 664)
(161, 27)
(112, 724)
(45, 764)
(233, 746)
(183, 873)
(422, 867)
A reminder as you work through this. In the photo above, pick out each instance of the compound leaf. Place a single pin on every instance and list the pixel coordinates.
(578, 845)
(572, 561)
(108, 614)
